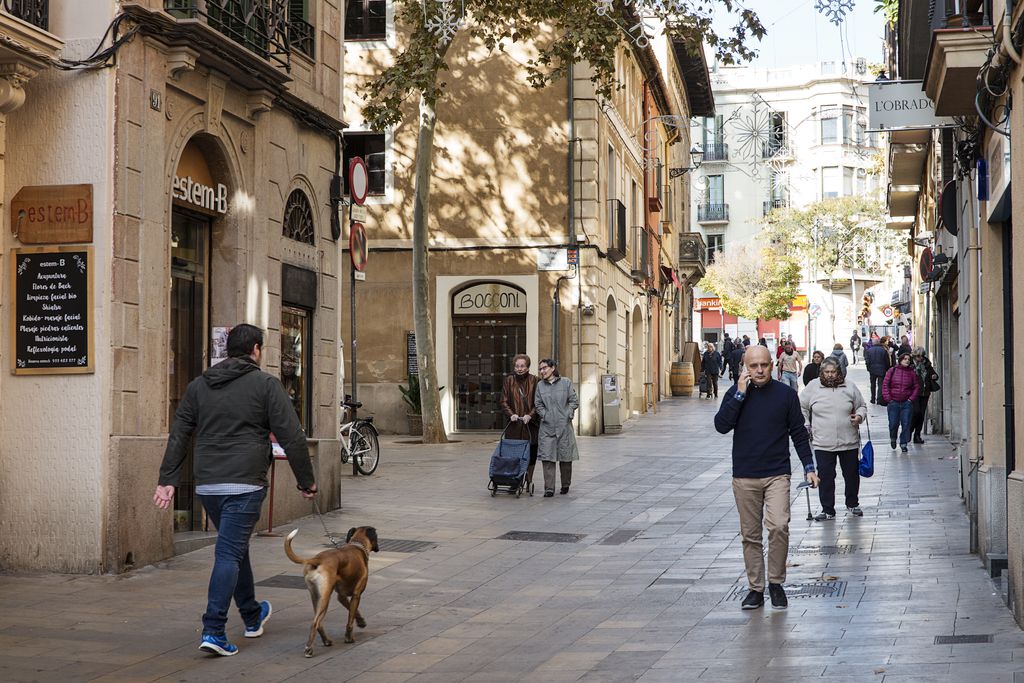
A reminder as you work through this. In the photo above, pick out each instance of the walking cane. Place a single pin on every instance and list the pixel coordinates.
(806, 486)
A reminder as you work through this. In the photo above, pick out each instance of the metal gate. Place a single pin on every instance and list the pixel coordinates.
(484, 348)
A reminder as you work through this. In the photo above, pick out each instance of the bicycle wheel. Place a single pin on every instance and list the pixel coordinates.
(365, 448)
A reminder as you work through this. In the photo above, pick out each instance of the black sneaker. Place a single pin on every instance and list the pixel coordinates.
(904, 448)
(564, 490)
(856, 511)
(824, 516)
(918, 439)
(549, 494)
(892, 442)
(778, 595)
(754, 600)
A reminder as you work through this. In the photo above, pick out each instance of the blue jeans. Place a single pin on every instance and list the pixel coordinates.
(235, 518)
(791, 379)
(899, 419)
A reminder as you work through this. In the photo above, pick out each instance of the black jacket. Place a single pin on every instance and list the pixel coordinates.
(735, 359)
(232, 408)
(877, 360)
(711, 363)
(762, 425)
(811, 372)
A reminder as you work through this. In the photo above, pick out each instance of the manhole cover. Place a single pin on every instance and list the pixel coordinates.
(543, 536)
(823, 550)
(963, 640)
(283, 581)
(619, 537)
(813, 589)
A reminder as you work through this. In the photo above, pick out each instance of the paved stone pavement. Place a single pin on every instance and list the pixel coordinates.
(648, 593)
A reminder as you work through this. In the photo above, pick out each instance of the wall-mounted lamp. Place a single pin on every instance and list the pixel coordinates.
(696, 159)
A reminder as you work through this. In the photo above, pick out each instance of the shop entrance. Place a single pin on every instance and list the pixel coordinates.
(484, 347)
(190, 235)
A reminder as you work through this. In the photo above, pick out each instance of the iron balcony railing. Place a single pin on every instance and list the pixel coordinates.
(35, 12)
(641, 264)
(616, 230)
(707, 213)
(262, 26)
(775, 204)
(961, 14)
(716, 151)
(775, 146)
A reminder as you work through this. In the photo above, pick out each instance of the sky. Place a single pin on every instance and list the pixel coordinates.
(799, 34)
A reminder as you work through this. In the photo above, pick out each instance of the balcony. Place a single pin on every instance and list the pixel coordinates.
(713, 213)
(616, 230)
(716, 151)
(959, 45)
(768, 206)
(641, 265)
(261, 26)
(693, 257)
(776, 148)
(35, 12)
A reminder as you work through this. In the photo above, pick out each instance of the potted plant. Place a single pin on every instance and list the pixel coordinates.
(411, 396)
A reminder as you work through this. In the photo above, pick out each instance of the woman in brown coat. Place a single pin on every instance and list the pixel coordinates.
(517, 393)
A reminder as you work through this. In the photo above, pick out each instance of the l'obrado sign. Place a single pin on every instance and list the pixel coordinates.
(50, 321)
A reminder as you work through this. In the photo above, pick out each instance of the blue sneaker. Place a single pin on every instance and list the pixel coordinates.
(217, 645)
(257, 630)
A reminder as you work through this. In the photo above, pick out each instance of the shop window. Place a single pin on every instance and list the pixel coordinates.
(366, 20)
(298, 218)
(295, 360)
(371, 147)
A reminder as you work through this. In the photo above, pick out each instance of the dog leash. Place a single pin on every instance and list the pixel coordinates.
(327, 532)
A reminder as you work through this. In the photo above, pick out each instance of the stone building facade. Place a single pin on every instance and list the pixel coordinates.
(210, 144)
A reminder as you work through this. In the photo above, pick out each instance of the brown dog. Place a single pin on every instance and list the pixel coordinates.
(342, 570)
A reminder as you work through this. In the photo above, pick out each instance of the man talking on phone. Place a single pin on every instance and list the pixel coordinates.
(764, 414)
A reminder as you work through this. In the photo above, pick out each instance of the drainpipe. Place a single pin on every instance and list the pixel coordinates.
(571, 214)
(1008, 368)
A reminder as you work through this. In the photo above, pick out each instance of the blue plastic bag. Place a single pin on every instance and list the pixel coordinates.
(867, 460)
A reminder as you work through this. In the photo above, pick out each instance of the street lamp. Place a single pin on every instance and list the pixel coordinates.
(696, 158)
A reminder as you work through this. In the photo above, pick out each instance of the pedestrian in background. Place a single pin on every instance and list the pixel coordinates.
(711, 366)
(904, 346)
(735, 361)
(556, 402)
(900, 389)
(727, 346)
(833, 410)
(790, 365)
(517, 394)
(746, 341)
(876, 359)
(929, 380)
(840, 356)
(764, 415)
(231, 409)
(812, 369)
(854, 346)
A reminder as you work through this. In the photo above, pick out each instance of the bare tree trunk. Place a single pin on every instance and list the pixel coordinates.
(430, 395)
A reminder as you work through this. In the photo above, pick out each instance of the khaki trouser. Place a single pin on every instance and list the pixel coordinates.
(763, 503)
(565, 472)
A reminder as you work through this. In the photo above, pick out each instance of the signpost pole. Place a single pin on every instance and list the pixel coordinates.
(358, 184)
(352, 332)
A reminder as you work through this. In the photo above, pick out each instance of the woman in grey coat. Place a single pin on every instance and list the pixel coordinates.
(556, 403)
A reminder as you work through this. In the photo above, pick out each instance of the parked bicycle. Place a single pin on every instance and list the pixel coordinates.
(360, 441)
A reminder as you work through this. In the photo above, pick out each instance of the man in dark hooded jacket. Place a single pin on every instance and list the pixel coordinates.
(877, 360)
(232, 409)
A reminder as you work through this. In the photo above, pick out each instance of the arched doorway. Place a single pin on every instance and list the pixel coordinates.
(636, 370)
(611, 337)
(488, 330)
(199, 197)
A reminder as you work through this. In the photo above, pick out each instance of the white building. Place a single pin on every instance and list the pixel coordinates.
(783, 137)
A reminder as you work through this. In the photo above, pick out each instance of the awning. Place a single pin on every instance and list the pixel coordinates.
(670, 274)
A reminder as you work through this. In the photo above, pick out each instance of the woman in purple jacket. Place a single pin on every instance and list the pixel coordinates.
(900, 388)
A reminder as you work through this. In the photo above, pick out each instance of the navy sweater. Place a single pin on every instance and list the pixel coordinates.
(763, 423)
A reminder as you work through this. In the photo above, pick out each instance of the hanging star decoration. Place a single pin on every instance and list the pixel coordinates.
(834, 10)
(752, 133)
(446, 22)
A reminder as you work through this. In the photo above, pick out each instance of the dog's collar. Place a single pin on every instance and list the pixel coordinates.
(361, 547)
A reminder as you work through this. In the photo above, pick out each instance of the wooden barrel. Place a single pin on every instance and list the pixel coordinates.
(681, 379)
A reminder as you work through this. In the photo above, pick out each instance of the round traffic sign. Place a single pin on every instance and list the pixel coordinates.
(926, 262)
(357, 246)
(887, 311)
(358, 180)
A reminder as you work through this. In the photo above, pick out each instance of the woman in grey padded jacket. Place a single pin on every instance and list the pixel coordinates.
(833, 411)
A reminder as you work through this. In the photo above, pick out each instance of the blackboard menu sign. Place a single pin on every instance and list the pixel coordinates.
(50, 317)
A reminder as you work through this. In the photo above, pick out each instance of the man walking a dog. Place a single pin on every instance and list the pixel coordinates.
(231, 409)
(764, 414)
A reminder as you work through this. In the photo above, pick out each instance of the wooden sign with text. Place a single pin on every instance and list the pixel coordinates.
(51, 315)
(52, 214)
